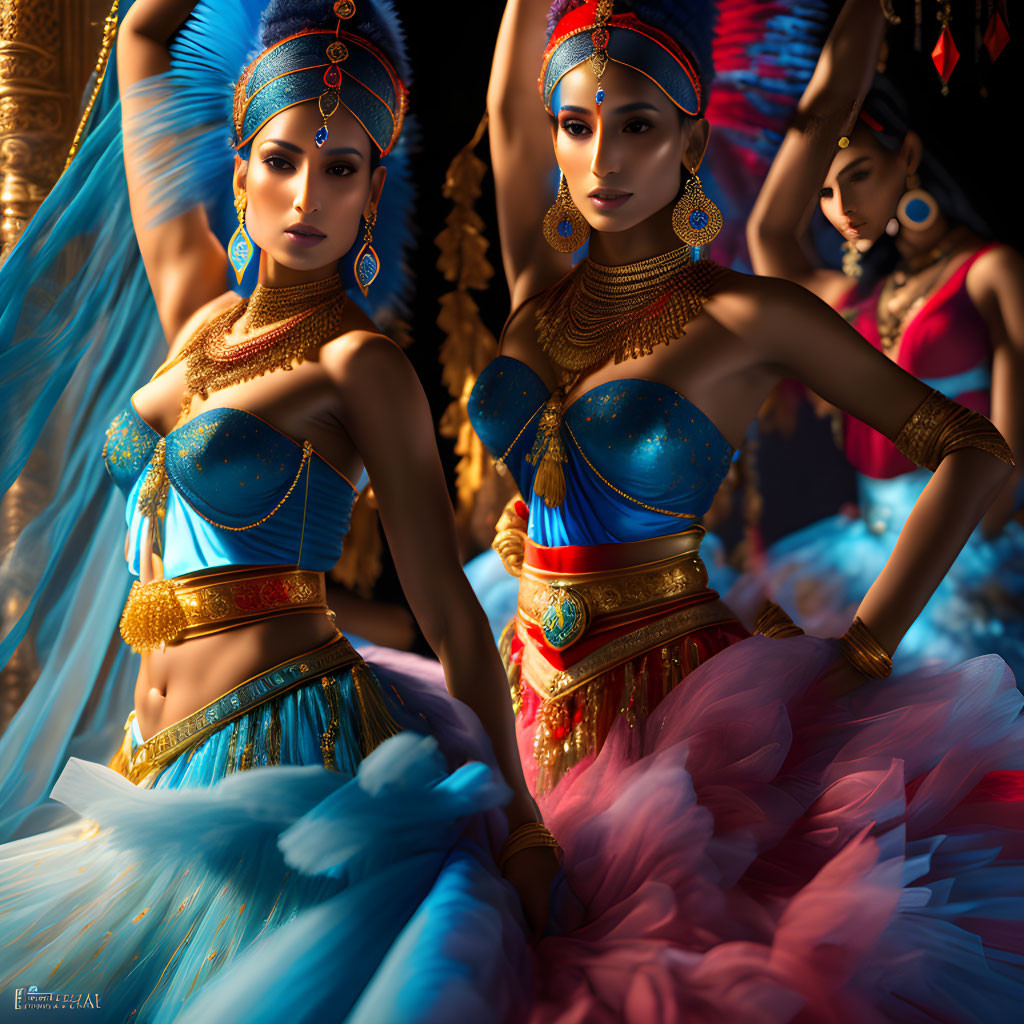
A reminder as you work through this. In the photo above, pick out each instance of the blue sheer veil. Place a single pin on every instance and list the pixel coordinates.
(78, 335)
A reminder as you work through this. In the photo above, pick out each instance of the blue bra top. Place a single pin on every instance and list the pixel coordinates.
(240, 493)
(643, 461)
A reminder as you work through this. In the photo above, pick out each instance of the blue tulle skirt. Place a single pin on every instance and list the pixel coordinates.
(234, 888)
(820, 574)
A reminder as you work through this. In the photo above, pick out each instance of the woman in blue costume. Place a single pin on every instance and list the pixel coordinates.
(949, 311)
(757, 828)
(283, 833)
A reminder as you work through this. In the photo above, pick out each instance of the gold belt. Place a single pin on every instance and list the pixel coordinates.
(565, 606)
(170, 611)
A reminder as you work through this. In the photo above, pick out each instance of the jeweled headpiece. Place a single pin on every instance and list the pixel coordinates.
(335, 68)
(593, 33)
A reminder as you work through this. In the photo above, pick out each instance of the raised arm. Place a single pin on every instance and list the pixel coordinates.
(185, 263)
(827, 110)
(808, 340)
(522, 154)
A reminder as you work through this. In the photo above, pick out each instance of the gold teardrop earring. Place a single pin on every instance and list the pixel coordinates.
(565, 228)
(695, 218)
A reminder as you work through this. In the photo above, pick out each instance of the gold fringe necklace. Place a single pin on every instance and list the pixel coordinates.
(599, 313)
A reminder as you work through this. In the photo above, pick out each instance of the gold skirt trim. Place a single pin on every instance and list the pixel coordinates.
(552, 683)
(146, 761)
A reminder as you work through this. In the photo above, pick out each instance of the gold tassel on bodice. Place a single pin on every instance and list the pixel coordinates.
(548, 452)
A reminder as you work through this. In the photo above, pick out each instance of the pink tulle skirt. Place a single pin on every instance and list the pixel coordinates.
(759, 852)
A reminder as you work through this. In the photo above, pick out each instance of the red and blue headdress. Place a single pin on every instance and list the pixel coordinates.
(336, 69)
(594, 33)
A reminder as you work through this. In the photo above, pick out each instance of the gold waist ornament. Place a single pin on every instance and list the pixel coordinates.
(566, 606)
(170, 611)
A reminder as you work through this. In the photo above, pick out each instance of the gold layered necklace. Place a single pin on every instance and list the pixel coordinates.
(279, 328)
(597, 314)
(898, 302)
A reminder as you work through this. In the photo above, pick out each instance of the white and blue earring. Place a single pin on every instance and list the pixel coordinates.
(917, 209)
(367, 265)
(240, 248)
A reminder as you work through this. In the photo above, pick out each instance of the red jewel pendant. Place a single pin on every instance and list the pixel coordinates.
(945, 56)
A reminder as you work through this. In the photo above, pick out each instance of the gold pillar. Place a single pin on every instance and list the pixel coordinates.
(47, 53)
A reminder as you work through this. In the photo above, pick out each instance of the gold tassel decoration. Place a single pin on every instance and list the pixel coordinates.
(548, 453)
(468, 346)
(152, 616)
(375, 721)
(153, 492)
(359, 567)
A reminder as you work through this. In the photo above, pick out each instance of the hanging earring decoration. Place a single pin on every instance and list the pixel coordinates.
(945, 53)
(330, 98)
(851, 261)
(996, 36)
(696, 219)
(599, 38)
(892, 227)
(917, 208)
(565, 228)
(367, 265)
(240, 248)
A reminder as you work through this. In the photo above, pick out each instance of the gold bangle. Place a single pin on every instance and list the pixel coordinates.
(939, 426)
(864, 652)
(772, 621)
(525, 837)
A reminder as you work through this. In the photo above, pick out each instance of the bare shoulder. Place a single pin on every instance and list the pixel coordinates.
(1000, 267)
(746, 303)
(363, 359)
(221, 304)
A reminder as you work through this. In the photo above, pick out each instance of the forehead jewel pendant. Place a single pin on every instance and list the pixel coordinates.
(337, 52)
(599, 38)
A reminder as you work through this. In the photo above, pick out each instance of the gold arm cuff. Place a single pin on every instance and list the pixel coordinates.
(510, 538)
(772, 621)
(864, 652)
(532, 834)
(940, 426)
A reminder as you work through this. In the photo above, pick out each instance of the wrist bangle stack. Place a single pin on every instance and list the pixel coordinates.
(864, 652)
(772, 621)
(533, 833)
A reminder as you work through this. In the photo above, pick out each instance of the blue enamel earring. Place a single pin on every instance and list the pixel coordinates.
(240, 248)
(917, 208)
(367, 265)
(695, 218)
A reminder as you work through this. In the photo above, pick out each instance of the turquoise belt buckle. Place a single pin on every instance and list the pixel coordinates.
(566, 617)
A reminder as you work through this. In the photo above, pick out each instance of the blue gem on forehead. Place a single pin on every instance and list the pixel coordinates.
(698, 220)
(321, 136)
(565, 229)
(599, 98)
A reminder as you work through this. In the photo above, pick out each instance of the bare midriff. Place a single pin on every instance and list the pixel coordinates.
(181, 678)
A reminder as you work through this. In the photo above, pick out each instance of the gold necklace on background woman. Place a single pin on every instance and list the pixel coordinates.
(908, 287)
(597, 314)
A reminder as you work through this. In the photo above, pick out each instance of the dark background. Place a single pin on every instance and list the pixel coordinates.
(973, 131)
